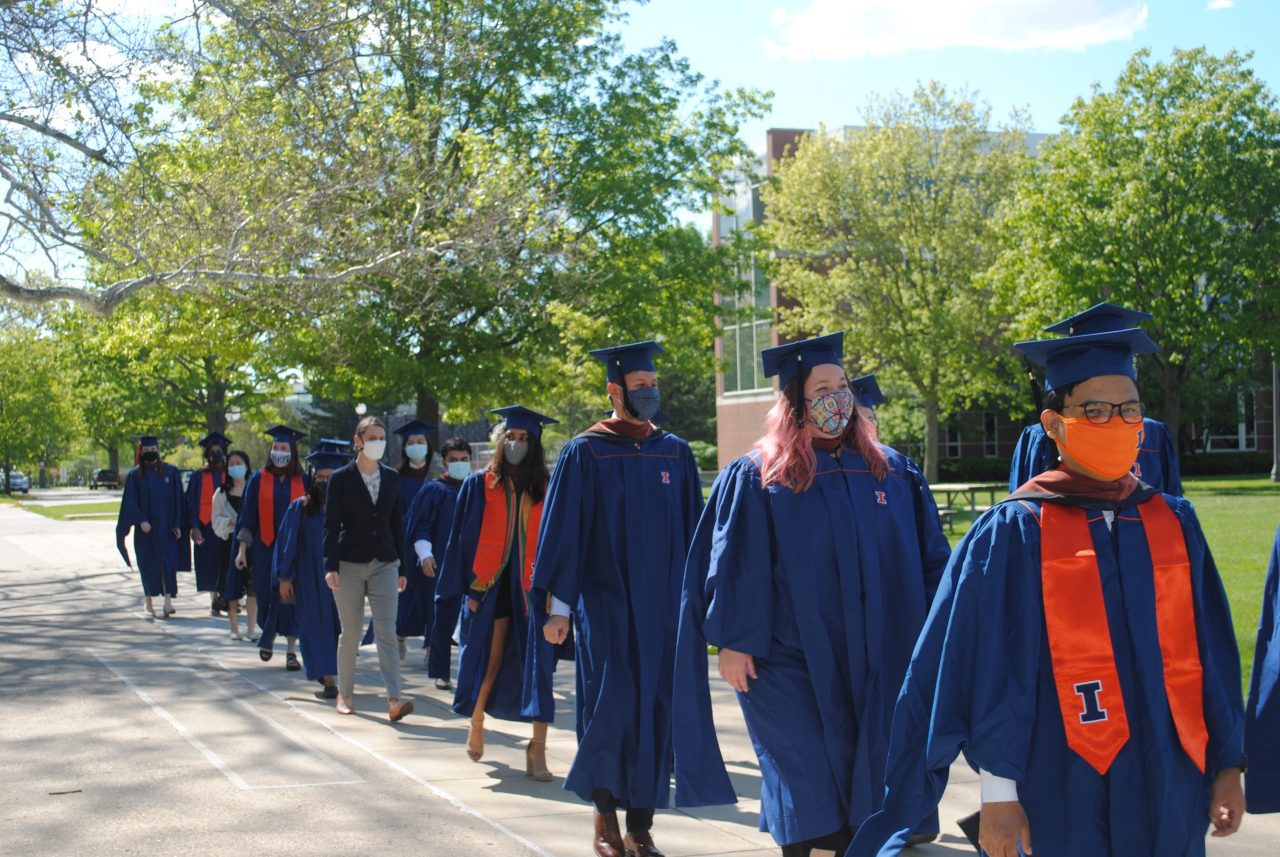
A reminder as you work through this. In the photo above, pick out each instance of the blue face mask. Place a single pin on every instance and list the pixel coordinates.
(237, 471)
(643, 402)
(417, 452)
(459, 470)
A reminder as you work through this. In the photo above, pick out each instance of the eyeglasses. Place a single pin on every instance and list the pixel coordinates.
(1100, 413)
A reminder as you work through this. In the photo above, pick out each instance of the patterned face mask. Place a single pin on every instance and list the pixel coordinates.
(831, 412)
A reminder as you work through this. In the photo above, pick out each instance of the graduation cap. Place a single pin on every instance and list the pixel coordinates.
(621, 359)
(520, 417)
(414, 427)
(1072, 359)
(284, 434)
(867, 391)
(333, 446)
(147, 439)
(786, 361)
(215, 438)
(323, 459)
(1099, 318)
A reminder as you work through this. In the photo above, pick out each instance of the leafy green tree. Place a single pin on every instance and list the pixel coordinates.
(883, 232)
(38, 420)
(1162, 193)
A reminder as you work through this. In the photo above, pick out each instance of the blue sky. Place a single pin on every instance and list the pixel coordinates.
(823, 58)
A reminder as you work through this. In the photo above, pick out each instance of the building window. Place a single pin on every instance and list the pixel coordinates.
(990, 435)
(950, 441)
(748, 327)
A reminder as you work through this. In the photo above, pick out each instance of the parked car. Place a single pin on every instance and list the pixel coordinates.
(18, 481)
(104, 479)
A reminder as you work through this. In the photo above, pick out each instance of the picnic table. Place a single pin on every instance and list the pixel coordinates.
(953, 491)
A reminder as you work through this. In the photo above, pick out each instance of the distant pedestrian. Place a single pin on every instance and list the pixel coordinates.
(234, 584)
(154, 508)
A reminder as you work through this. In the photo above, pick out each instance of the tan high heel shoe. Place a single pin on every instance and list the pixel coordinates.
(537, 768)
(475, 739)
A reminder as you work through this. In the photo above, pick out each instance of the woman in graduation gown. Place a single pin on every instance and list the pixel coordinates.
(415, 471)
(237, 583)
(1262, 714)
(267, 494)
(812, 570)
(1079, 650)
(298, 572)
(211, 574)
(426, 529)
(154, 508)
(489, 562)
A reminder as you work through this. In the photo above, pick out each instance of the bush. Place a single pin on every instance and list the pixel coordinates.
(1225, 464)
(705, 453)
(973, 470)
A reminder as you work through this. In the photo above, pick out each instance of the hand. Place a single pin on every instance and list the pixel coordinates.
(473, 605)
(286, 589)
(736, 668)
(242, 561)
(1003, 825)
(401, 583)
(177, 533)
(429, 565)
(331, 578)
(556, 630)
(1226, 802)
(197, 537)
(145, 527)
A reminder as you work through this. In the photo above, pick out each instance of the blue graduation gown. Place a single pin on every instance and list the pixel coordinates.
(827, 589)
(981, 680)
(1262, 715)
(207, 556)
(1156, 465)
(616, 526)
(431, 518)
(298, 555)
(154, 495)
(476, 639)
(280, 616)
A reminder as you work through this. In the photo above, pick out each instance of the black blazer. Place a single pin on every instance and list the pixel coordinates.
(355, 530)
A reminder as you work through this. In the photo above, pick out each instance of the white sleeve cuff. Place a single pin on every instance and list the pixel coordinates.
(559, 608)
(997, 789)
(422, 548)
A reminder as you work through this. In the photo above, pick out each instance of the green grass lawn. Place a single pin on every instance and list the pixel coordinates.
(107, 510)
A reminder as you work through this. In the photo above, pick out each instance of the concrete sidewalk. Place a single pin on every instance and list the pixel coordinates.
(130, 735)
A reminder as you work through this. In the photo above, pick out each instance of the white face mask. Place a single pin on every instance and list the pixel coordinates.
(373, 449)
(281, 457)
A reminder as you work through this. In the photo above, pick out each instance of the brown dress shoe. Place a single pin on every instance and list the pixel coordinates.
(640, 844)
(608, 841)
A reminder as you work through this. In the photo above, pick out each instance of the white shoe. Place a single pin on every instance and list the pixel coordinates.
(252, 636)
(236, 636)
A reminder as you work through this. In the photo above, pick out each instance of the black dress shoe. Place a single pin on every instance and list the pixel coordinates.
(291, 662)
(330, 691)
(639, 843)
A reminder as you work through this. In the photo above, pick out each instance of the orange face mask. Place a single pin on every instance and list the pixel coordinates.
(1109, 449)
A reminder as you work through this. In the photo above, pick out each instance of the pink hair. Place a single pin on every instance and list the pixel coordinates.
(786, 452)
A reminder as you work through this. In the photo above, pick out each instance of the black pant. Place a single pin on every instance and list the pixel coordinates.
(639, 819)
(837, 842)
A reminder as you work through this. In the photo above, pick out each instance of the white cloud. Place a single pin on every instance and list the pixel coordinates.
(1215, 5)
(846, 29)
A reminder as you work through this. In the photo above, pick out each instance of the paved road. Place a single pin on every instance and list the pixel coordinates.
(125, 736)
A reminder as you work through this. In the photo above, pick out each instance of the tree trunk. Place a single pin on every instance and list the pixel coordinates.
(428, 406)
(215, 415)
(931, 439)
(1172, 416)
(113, 457)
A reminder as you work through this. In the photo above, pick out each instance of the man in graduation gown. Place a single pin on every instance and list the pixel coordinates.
(617, 521)
(1157, 464)
(822, 590)
(1079, 650)
(206, 554)
(267, 493)
(1262, 715)
(426, 527)
(154, 508)
(298, 571)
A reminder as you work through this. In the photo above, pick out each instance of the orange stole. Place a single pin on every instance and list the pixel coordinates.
(267, 503)
(206, 496)
(498, 531)
(1084, 669)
